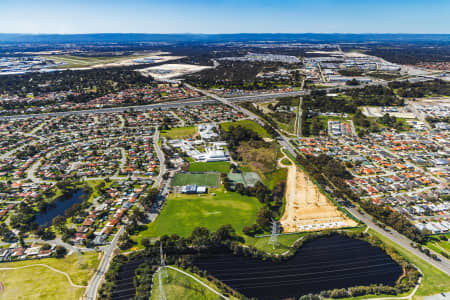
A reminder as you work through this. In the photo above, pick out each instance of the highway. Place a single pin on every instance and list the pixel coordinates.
(187, 102)
(164, 105)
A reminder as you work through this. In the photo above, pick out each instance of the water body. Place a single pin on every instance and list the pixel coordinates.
(125, 286)
(46, 218)
(322, 264)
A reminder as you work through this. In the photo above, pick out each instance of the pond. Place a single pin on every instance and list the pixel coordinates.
(46, 218)
(322, 264)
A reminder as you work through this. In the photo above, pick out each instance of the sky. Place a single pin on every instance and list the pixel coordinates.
(220, 16)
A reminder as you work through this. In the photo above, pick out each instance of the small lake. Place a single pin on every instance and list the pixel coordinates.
(46, 218)
(323, 264)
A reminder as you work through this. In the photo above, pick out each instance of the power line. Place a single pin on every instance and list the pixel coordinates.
(163, 263)
(273, 240)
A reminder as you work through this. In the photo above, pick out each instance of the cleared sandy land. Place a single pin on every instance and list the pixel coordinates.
(307, 209)
(432, 101)
(403, 112)
(167, 71)
(85, 63)
(158, 57)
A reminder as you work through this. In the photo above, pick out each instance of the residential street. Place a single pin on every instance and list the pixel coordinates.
(94, 284)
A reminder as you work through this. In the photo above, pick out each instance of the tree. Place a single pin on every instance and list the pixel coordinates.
(125, 241)
(60, 251)
(5, 232)
(59, 222)
(145, 242)
(138, 215)
(150, 198)
(200, 237)
(264, 217)
(247, 230)
(46, 247)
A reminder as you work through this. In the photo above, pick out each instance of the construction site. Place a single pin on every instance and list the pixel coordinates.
(307, 208)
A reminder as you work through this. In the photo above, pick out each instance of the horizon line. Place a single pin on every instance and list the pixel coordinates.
(230, 33)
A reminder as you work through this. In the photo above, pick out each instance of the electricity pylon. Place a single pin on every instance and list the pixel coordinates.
(163, 263)
(274, 235)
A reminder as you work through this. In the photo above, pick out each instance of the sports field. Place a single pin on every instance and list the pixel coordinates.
(179, 132)
(183, 213)
(215, 166)
(252, 125)
(39, 282)
(202, 179)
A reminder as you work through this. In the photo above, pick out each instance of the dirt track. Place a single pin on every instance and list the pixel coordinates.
(307, 209)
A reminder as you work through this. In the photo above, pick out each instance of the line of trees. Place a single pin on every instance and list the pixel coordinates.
(421, 89)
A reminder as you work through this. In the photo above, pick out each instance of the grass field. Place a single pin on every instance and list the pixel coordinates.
(262, 160)
(438, 245)
(183, 213)
(179, 132)
(252, 125)
(206, 179)
(216, 166)
(276, 177)
(286, 242)
(179, 286)
(39, 282)
(434, 281)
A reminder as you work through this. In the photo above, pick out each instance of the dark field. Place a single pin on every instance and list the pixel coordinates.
(323, 264)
